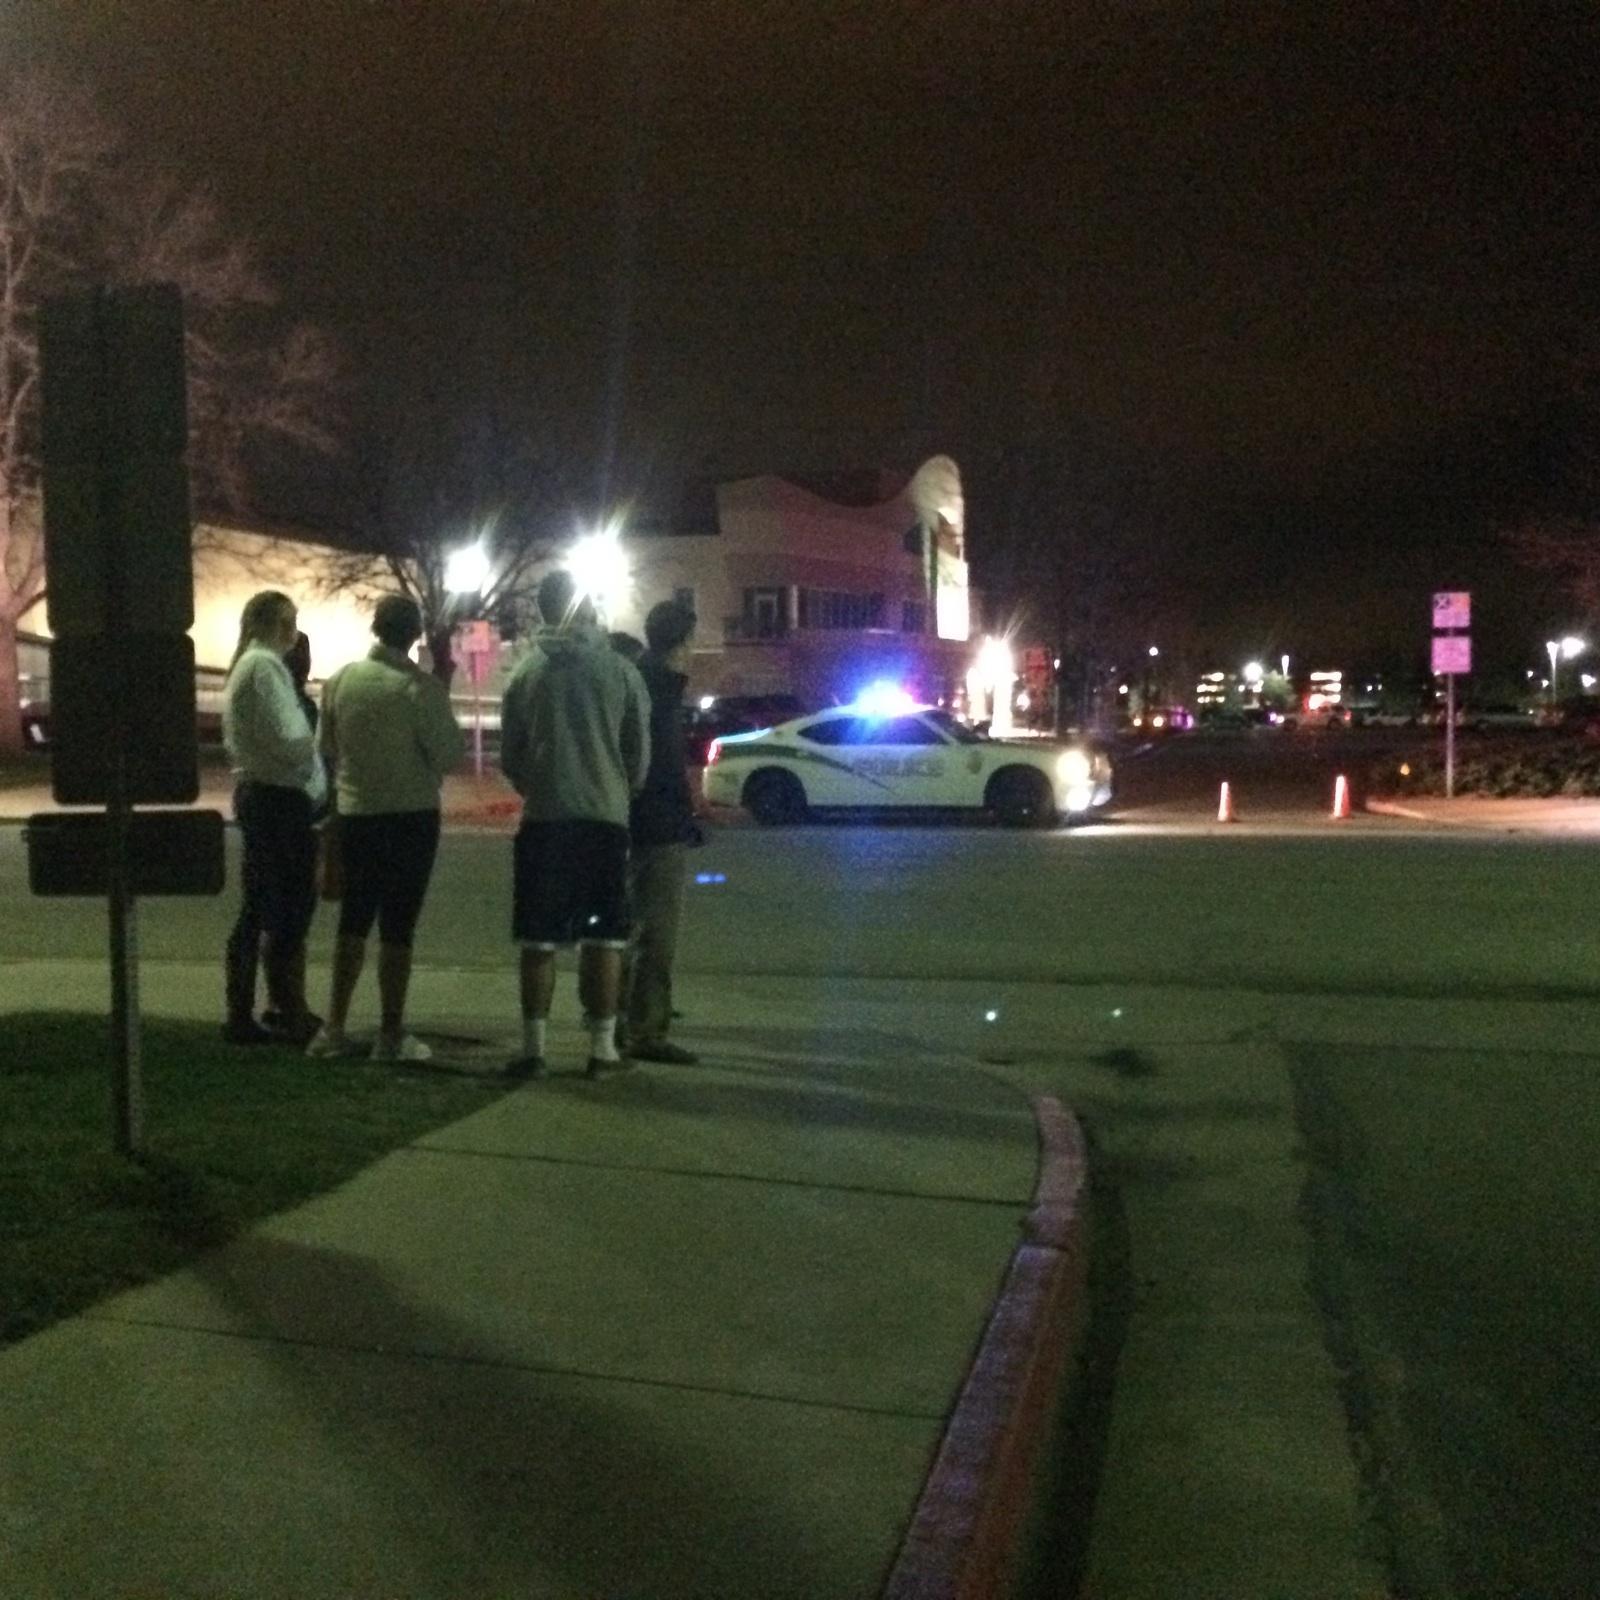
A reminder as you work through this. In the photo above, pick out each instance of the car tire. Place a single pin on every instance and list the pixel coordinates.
(1019, 797)
(775, 798)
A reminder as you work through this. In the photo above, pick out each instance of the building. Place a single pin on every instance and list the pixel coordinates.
(813, 589)
(818, 587)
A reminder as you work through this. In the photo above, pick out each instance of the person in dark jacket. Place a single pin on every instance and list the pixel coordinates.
(662, 827)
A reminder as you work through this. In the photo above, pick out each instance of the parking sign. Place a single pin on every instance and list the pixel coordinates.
(1452, 655)
(1452, 608)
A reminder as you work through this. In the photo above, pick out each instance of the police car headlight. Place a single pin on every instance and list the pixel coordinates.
(1074, 768)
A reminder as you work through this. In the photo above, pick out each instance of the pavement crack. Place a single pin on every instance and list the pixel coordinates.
(876, 1191)
(505, 1364)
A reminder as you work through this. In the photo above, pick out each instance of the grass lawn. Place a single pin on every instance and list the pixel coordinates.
(231, 1136)
(1453, 1201)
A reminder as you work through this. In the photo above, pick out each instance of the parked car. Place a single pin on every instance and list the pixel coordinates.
(717, 715)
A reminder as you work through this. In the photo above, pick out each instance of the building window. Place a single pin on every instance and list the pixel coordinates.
(835, 609)
(913, 616)
(763, 614)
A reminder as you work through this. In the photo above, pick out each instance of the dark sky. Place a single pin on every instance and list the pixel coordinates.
(1282, 240)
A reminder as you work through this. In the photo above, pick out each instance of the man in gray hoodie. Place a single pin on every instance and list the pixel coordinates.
(575, 744)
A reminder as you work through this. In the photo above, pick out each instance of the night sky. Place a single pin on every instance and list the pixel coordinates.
(1330, 264)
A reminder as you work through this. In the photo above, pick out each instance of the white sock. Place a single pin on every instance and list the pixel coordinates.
(603, 1039)
(533, 1037)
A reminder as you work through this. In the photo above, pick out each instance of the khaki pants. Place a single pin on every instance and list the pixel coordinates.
(655, 882)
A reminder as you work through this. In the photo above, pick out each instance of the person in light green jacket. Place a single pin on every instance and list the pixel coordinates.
(575, 744)
(390, 739)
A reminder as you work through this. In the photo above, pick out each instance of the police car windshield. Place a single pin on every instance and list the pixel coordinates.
(951, 729)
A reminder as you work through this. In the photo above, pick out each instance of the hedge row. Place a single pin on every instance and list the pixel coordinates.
(1512, 770)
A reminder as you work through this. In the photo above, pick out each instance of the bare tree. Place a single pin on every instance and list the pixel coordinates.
(74, 210)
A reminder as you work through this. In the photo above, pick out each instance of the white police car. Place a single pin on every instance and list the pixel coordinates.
(861, 758)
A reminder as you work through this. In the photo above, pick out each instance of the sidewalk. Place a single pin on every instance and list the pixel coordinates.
(682, 1332)
(486, 802)
(1557, 815)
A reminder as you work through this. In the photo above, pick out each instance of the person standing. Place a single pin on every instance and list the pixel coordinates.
(279, 789)
(662, 827)
(390, 739)
(575, 744)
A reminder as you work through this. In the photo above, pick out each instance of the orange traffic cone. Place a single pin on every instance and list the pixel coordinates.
(1341, 798)
(1225, 804)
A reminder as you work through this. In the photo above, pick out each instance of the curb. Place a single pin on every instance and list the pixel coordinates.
(964, 1539)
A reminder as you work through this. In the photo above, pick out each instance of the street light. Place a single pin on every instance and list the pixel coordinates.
(466, 571)
(1563, 649)
(600, 570)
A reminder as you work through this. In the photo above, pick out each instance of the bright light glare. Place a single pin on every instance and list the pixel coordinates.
(467, 569)
(884, 699)
(1080, 797)
(1073, 766)
(1252, 671)
(996, 665)
(1155, 650)
(599, 568)
(1571, 646)
(707, 701)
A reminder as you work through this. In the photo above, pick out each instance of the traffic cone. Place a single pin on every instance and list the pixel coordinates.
(1341, 798)
(1225, 804)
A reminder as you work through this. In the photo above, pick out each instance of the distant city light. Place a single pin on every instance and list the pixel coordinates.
(707, 701)
(1154, 650)
(1253, 671)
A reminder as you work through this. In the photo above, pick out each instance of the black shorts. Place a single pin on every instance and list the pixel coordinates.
(571, 884)
(387, 860)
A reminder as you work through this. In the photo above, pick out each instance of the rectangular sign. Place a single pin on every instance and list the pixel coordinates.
(1452, 655)
(155, 673)
(1452, 608)
(170, 853)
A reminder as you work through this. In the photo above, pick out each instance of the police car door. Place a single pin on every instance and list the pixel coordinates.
(900, 761)
(825, 749)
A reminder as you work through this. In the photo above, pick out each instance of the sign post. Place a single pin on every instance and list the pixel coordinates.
(120, 602)
(477, 639)
(1452, 658)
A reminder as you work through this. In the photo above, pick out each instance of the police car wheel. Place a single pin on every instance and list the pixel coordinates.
(1021, 798)
(774, 798)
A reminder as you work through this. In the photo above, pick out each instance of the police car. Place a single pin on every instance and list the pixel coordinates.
(868, 758)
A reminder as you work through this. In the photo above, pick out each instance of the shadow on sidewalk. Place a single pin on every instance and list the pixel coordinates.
(505, 1477)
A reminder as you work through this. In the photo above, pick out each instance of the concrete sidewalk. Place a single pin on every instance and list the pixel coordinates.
(468, 801)
(1554, 815)
(681, 1332)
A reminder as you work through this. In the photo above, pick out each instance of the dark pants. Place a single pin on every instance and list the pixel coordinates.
(388, 861)
(280, 894)
(655, 873)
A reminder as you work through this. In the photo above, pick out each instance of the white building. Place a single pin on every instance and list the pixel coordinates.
(818, 589)
(814, 591)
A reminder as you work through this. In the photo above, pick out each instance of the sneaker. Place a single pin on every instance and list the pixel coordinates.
(408, 1047)
(325, 1044)
(246, 1030)
(523, 1069)
(599, 1069)
(300, 1035)
(672, 1055)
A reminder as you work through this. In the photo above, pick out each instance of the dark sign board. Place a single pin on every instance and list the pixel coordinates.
(169, 853)
(156, 710)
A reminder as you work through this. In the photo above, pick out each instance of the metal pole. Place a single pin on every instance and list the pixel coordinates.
(477, 716)
(127, 1077)
(1449, 735)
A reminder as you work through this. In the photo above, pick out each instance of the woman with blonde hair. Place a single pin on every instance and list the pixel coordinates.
(280, 787)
